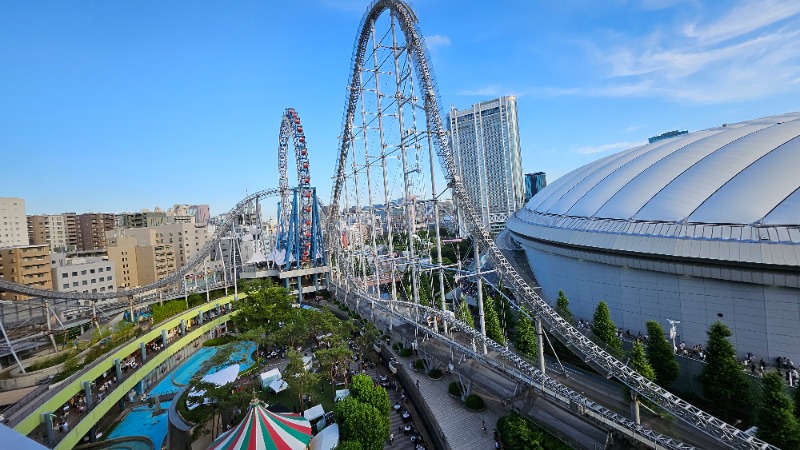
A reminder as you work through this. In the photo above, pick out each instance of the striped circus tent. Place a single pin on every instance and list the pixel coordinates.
(262, 429)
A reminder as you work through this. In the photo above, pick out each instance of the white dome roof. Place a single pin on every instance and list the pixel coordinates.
(737, 174)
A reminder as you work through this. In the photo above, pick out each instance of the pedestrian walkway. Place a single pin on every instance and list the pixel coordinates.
(462, 428)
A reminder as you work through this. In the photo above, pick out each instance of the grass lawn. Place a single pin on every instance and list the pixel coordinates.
(289, 398)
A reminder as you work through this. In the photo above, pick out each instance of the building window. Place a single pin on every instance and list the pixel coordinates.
(64, 275)
(102, 279)
(84, 283)
(91, 270)
(74, 274)
(74, 284)
(83, 272)
(65, 286)
(100, 269)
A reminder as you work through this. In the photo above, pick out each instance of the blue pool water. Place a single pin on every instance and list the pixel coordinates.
(180, 377)
(141, 422)
(243, 355)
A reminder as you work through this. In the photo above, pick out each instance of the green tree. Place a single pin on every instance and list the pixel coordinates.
(797, 403)
(724, 382)
(368, 336)
(349, 445)
(493, 329)
(640, 363)
(661, 355)
(518, 434)
(362, 422)
(299, 379)
(562, 307)
(464, 314)
(333, 360)
(775, 417)
(364, 390)
(605, 329)
(526, 336)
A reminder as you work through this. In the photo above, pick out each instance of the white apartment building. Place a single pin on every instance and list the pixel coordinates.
(485, 142)
(13, 222)
(87, 275)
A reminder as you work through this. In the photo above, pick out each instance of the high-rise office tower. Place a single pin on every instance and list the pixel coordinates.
(485, 142)
(534, 182)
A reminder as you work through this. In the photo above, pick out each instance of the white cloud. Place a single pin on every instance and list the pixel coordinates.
(747, 17)
(751, 52)
(609, 147)
(437, 40)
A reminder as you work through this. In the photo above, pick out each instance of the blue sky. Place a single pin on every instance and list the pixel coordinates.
(116, 106)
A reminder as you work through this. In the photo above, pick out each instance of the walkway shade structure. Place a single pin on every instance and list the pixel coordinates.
(262, 429)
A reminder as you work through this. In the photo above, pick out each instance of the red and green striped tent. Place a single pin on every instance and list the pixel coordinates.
(262, 429)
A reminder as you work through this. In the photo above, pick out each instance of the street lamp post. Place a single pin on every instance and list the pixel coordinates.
(673, 332)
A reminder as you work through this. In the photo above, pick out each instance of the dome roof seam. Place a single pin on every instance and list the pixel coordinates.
(730, 179)
(685, 219)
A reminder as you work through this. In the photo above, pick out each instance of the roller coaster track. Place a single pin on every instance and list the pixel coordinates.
(520, 370)
(177, 276)
(527, 300)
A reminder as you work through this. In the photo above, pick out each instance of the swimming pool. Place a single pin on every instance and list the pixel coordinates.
(242, 355)
(129, 444)
(180, 376)
(141, 422)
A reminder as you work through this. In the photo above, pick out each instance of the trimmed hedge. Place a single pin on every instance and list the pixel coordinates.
(455, 389)
(519, 432)
(217, 341)
(435, 374)
(474, 402)
(397, 346)
(420, 364)
(406, 352)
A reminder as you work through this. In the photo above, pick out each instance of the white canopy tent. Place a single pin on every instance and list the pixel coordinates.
(278, 385)
(313, 412)
(269, 376)
(327, 439)
(341, 394)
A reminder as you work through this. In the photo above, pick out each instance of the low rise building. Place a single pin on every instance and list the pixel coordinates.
(87, 275)
(28, 265)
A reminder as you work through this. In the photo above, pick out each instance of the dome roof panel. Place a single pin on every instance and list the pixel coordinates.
(787, 212)
(605, 189)
(554, 191)
(568, 199)
(758, 189)
(634, 195)
(691, 188)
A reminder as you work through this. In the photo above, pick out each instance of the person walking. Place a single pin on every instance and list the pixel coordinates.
(484, 428)
(391, 438)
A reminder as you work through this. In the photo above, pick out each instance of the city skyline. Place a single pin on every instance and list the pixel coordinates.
(125, 107)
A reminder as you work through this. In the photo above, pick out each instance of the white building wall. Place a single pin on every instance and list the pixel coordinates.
(485, 142)
(13, 222)
(82, 275)
(763, 319)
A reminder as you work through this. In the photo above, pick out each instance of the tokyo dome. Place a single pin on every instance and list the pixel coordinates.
(696, 228)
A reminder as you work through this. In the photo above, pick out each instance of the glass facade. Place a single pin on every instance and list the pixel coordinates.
(534, 182)
(485, 142)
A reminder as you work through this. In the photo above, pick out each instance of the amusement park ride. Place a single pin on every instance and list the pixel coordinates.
(299, 251)
(392, 139)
